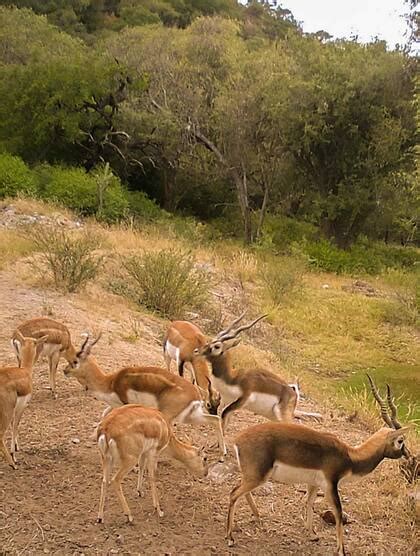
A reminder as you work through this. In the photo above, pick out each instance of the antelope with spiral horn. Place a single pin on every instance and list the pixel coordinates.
(293, 454)
(258, 390)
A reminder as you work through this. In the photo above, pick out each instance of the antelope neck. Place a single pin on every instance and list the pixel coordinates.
(366, 457)
(177, 449)
(222, 368)
(28, 360)
(97, 380)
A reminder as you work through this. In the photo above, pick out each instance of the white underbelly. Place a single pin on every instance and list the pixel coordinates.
(22, 401)
(288, 474)
(228, 392)
(262, 404)
(110, 398)
(172, 351)
(50, 349)
(142, 398)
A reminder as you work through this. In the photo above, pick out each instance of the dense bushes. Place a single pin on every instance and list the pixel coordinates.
(72, 187)
(15, 177)
(362, 257)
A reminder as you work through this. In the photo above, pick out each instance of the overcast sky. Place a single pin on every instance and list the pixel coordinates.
(365, 18)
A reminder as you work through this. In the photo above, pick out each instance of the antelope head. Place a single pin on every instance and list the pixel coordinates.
(78, 366)
(226, 339)
(395, 447)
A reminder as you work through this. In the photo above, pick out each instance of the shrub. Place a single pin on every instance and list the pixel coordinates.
(78, 190)
(69, 257)
(15, 177)
(281, 231)
(362, 257)
(404, 307)
(167, 282)
(141, 206)
(282, 277)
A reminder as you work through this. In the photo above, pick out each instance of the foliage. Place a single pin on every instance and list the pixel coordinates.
(13, 245)
(167, 282)
(140, 206)
(362, 257)
(70, 258)
(15, 177)
(78, 190)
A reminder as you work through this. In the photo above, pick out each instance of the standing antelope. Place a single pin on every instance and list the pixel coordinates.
(132, 434)
(257, 390)
(290, 453)
(15, 392)
(175, 397)
(181, 340)
(58, 343)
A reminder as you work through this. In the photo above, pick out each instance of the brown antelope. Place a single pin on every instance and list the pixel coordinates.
(181, 339)
(291, 453)
(58, 343)
(174, 396)
(15, 393)
(258, 390)
(132, 434)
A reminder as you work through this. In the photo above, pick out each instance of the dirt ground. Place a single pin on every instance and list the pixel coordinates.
(49, 504)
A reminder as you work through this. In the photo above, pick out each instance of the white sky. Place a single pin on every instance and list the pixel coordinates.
(342, 18)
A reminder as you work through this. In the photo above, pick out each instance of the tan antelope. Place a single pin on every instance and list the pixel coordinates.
(174, 396)
(181, 340)
(258, 390)
(291, 453)
(58, 344)
(15, 393)
(132, 434)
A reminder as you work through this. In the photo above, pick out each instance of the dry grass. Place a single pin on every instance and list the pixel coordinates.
(27, 205)
(13, 245)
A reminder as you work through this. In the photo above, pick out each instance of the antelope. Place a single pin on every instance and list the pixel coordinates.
(181, 339)
(258, 390)
(178, 399)
(132, 434)
(290, 453)
(15, 392)
(58, 344)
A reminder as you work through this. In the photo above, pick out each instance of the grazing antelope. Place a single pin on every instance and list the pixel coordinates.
(132, 434)
(15, 392)
(58, 343)
(175, 397)
(181, 339)
(291, 453)
(257, 390)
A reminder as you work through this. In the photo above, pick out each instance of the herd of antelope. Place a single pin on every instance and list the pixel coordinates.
(144, 402)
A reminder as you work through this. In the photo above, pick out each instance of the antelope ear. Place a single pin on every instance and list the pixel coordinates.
(233, 343)
(399, 432)
(20, 336)
(41, 340)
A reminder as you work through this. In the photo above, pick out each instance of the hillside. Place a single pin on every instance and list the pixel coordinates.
(328, 332)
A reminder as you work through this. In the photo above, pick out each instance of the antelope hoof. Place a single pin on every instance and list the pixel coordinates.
(129, 518)
(314, 537)
(159, 513)
(140, 493)
(99, 519)
(230, 541)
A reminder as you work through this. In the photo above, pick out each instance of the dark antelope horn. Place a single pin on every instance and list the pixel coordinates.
(393, 408)
(229, 328)
(381, 402)
(96, 340)
(85, 341)
(241, 329)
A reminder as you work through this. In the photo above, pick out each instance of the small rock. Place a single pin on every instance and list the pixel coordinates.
(120, 539)
(264, 490)
(75, 440)
(325, 286)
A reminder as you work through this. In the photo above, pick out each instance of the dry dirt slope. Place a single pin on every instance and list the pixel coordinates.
(49, 504)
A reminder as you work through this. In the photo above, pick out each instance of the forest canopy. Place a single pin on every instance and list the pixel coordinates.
(218, 110)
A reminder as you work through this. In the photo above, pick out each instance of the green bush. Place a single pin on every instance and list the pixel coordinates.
(69, 257)
(141, 206)
(167, 282)
(404, 306)
(15, 177)
(78, 190)
(283, 231)
(362, 257)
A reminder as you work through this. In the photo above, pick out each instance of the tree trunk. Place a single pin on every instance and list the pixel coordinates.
(263, 210)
